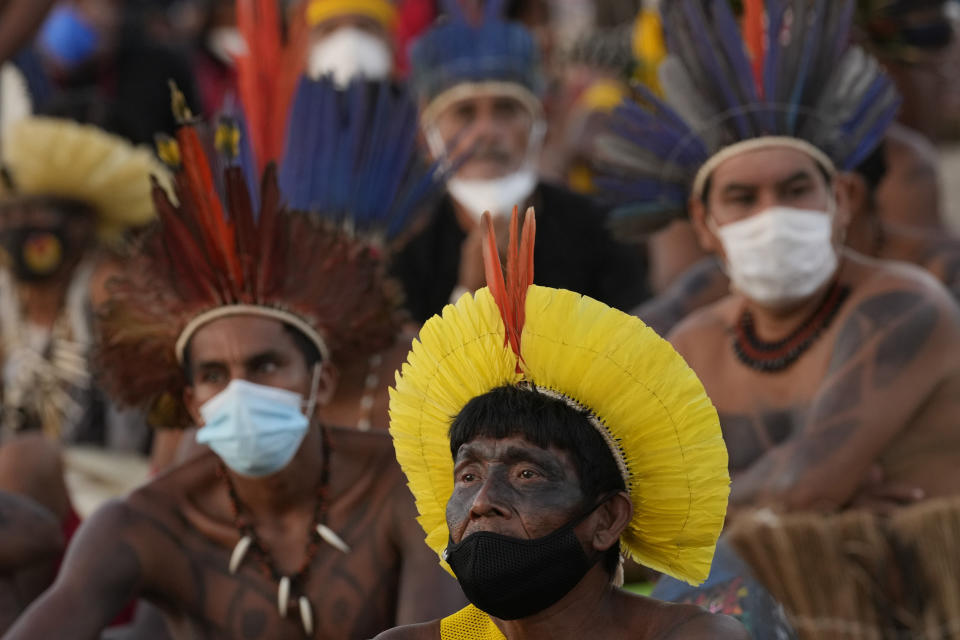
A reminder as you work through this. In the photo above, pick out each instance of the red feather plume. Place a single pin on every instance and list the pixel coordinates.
(267, 75)
(209, 251)
(754, 35)
(510, 294)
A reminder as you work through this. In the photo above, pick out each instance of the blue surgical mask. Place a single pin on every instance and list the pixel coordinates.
(67, 37)
(256, 430)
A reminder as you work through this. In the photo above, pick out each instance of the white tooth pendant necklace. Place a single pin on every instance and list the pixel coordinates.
(318, 534)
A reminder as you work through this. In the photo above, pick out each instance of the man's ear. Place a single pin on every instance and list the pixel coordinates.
(698, 218)
(327, 380)
(611, 518)
(853, 199)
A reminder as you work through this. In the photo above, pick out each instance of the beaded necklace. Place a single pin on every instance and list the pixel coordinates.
(772, 357)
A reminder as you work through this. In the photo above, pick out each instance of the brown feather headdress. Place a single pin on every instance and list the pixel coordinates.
(214, 255)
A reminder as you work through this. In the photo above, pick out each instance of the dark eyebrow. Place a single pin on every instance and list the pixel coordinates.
(271, 355)
(733, 187)
(800, 175)
(473, 453)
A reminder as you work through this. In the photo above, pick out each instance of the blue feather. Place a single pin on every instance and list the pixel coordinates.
(352, 155)
(812, 30)
(719, 82)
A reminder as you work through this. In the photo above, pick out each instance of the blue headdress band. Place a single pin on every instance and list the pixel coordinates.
(457, 51)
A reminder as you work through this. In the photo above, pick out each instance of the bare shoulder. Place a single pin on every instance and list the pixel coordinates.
(168, 489)
(424, 631)
(703, 625)
(704, 326)
(887, 290)
(882, 276)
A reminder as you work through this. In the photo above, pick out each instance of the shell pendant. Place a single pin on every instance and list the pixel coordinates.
(330, 537)
(283, 596)
(239, 552)
(306, 616)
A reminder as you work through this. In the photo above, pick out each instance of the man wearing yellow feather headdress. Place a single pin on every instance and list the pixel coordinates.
(543, 434)
(67, 190)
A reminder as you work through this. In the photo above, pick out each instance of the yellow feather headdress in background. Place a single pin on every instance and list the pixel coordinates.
(652, 411)
(63, 159)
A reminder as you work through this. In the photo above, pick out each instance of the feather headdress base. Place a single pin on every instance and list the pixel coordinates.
(234, 310)
(755, 144)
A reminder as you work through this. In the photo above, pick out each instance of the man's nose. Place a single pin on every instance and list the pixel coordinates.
(490, 500)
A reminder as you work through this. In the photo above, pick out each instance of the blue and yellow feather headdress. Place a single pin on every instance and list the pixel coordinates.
(788, 77)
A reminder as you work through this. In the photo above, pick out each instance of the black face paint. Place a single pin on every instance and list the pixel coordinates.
(512, 578)
(34, 254)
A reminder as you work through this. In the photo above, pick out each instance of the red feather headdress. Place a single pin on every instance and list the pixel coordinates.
(212, 256)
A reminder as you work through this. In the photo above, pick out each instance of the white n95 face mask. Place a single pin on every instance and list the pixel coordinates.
(348, 53)
(255, 429)
(497, 195)
(780, 256)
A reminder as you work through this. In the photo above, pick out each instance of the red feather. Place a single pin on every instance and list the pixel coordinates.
(753, 33)
(245, 225)
(267, 75)
(511, 296)
(217, 232)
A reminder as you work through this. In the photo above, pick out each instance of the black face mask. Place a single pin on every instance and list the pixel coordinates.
(35, 254)
(512, 578)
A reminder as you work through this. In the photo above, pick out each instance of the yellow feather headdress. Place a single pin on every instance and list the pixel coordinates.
(653, 412)
(53, 157)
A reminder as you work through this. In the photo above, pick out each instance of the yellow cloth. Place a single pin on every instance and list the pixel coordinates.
(469, 624)
(651, 409)
(382, 11)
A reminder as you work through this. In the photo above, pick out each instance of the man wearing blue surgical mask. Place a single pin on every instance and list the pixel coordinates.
(283, 526)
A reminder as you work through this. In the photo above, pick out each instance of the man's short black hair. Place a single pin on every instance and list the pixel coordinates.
(546, 422)
(306, 347)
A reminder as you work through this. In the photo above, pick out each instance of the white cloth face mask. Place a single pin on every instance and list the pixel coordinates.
(497, 195)
(780, 256)
(348, 53)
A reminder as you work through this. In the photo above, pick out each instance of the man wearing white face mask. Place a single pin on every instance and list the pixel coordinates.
(350, 38)
(479, 84)
(830, 370)
(835, 376)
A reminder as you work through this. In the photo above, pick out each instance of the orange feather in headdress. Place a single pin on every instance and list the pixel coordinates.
(511, 294)
(267, 75)
(754, 36)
